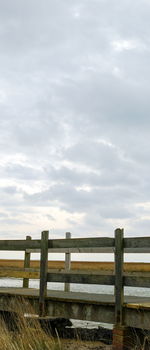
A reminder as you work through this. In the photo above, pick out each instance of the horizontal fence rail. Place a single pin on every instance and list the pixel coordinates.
(137, 242)
(117, 276)
(137, 281)
(81, 243)
(76, 250)
(20, 245)
(80, 278)
(92, 250)
(78, 245)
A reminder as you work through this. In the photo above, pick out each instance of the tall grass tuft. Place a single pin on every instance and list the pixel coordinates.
(28, 334)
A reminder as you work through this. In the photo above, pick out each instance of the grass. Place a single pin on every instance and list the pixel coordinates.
(30, 336)
(27, 335)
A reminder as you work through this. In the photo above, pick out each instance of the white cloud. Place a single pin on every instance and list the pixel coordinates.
(121, 45)
(74, 116)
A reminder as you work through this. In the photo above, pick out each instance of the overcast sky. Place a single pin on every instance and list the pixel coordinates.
(74, 117)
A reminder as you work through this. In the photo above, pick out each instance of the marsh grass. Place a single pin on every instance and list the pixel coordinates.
(26, 338)
(138, 340)
(27, 333)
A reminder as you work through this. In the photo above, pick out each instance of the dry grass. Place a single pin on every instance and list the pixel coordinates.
(32, 337)
(84, 265)
(27, 335)
(26, 338)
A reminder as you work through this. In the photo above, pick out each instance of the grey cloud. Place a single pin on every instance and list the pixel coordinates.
(18, 171)
(3, 216)
(64, 88)
(68, 198)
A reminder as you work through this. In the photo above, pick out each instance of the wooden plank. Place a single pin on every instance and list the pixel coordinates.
(76, 250)
(138, 280)
(43, 272)
(93, 250)
(103, 242)
(67, 263)
(26, 265)
(142, 281)
(20, 245)
(137, 242)
(81, 278)
(119, 276)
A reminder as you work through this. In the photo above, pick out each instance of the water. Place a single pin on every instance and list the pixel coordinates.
(12, 282)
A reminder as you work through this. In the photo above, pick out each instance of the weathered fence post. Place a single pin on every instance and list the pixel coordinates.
(43, 271)
(67, 263)
(119, 276)
(121, 334)
(26, 264)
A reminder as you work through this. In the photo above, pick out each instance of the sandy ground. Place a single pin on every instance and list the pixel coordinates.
(69, 344)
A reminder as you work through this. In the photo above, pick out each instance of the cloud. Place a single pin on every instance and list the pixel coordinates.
(74, 116)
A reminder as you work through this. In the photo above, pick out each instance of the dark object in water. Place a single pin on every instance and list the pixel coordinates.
(62, 327)
(93, 334)
(54, 325)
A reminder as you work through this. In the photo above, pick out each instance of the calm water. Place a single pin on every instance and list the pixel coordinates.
(12, 282)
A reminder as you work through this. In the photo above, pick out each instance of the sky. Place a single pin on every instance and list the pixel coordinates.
(74, 117)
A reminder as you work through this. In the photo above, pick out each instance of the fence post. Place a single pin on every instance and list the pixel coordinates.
(43, 271)
(121, 333)
(67, 263)
(119, 289)
(26, 264)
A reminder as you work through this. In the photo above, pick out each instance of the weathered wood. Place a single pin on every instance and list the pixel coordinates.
(20, 245)
(67, 263)
(101, 242)
(76, 250)
(142, 281)
(81, 278)
(43, 272)
(55, 275)
(119, 276)
(26, 265)
(137, 242)
(93, 250)
(57, 243)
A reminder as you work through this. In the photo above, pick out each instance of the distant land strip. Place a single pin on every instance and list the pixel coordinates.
(75, 265)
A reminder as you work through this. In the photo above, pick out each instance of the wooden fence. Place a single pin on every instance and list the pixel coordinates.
(117, 245)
